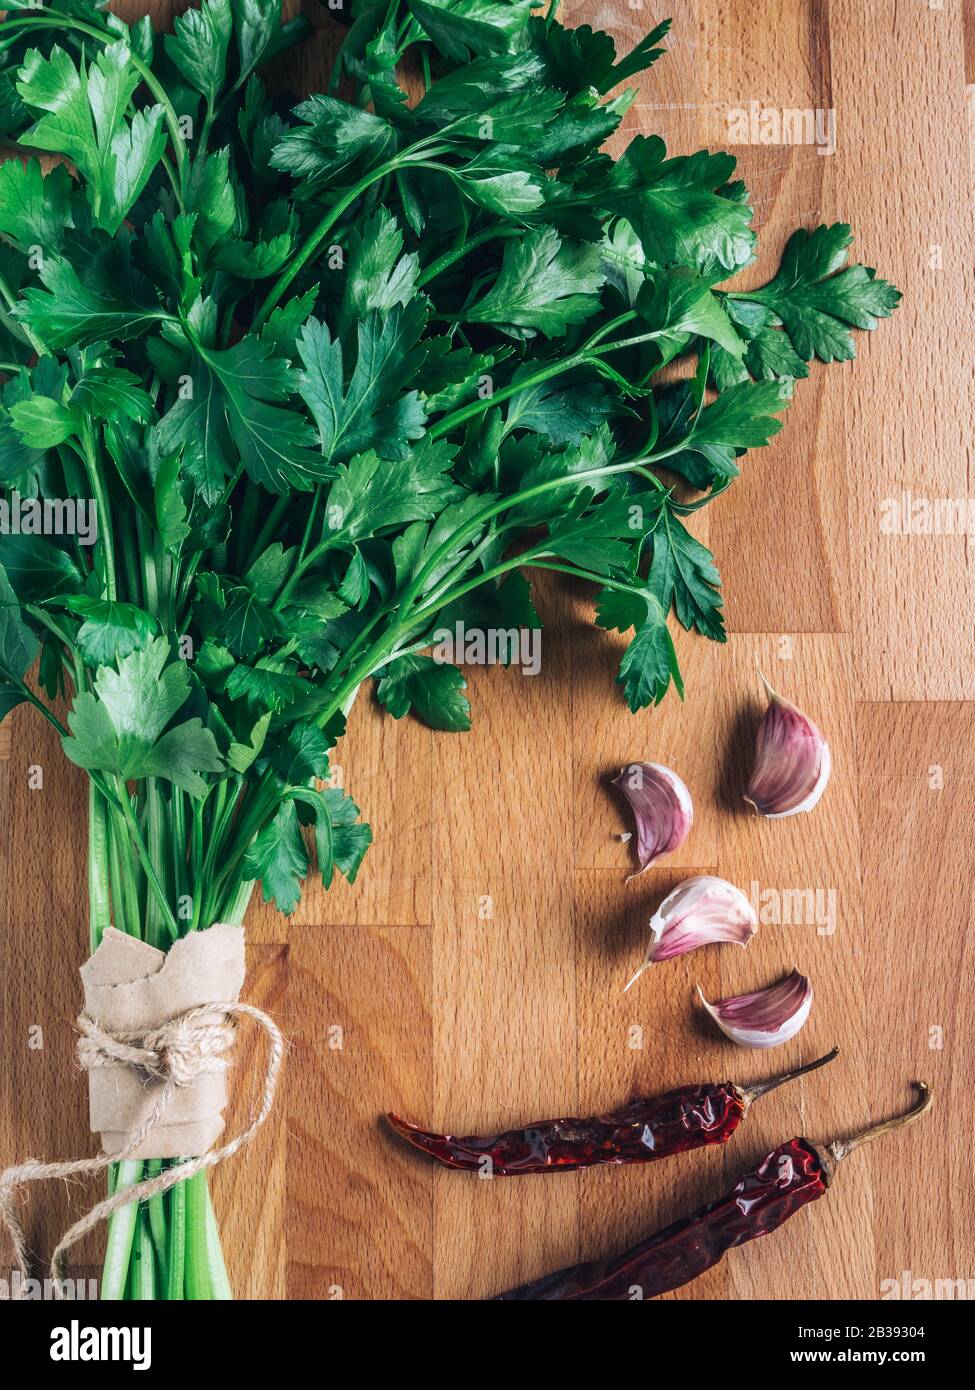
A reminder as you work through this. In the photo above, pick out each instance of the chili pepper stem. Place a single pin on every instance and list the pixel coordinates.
(842, 1148)
(750, 1094)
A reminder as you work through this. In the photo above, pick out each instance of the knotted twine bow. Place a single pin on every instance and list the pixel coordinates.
(177, 1053)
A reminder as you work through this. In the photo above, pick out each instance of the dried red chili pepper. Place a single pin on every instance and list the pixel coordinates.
(791, 1176)
(643, 1130)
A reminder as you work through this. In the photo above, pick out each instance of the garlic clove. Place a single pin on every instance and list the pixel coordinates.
(699, 912)
(766, 1018)
(662, 809)
(792, 761)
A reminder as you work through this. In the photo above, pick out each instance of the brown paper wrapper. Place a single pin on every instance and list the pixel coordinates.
(131, 985)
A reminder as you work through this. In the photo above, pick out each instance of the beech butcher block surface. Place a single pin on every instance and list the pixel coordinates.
(473, 977)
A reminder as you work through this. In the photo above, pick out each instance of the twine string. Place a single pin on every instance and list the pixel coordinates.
(176, 1054)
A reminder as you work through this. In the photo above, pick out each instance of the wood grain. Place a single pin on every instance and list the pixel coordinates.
(473, 976)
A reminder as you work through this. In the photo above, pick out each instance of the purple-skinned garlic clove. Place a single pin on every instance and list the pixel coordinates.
(767, 1018)
(792, 761)
(662, 809)
(699, 912)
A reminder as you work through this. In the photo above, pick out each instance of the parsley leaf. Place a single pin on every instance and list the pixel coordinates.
(432, 689)
(595, 538)
(68, 311)
(364, 408)
(35, 208)
(198, 46)
(279, 859)
(817, 301)
(228, 412)
(87, 123)
(704, 448)
(334, 139)
(378, 275)
(683, 575)
(680, 301)
(367, 496)
(37, 568)
(649, 663)
(18, 648)
(545, 286)
(111, 630)
(461, 27)
(121, 731)
(769, 354)
(684, 209)
(341, 839)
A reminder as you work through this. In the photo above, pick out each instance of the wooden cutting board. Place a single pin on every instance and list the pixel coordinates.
(473, 977)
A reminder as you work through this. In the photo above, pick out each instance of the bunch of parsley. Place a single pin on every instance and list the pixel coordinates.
(336, 376)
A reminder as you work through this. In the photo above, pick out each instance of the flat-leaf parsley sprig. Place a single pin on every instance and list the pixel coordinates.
(339, 373)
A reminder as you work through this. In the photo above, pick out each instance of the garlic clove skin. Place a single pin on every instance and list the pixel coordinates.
(792, 761)
(662, 809)
(699, 912)
(766, 1018)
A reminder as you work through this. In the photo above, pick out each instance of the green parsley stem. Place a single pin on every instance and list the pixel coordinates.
(443, 599)
(219, 1280)
(41, 616)
(129, 889)
(359, 640)
(11, 301)
(116, 855)
(156, 1211)
(533, 558)
(177, 1242)
(145, 859)
(156, 841)
(318, 236)
(495, 509)
(611, 327)
(403, 604)
(121, 1232)
(593, 347)
(117, 797)
(99, 902)
(253, 811)
(196, 1268)
(687, 508)
(102, 510)
(208, 120)
(196, 862)
(271, 525)
(469, 558)
(406, 159)
(386, 643)
(449, 258)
